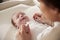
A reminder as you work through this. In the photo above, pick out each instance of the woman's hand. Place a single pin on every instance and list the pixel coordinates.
(24, 33)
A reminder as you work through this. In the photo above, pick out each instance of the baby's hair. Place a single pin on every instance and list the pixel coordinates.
(54, 3)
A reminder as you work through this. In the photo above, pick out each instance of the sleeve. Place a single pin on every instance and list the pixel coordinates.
(44, 33)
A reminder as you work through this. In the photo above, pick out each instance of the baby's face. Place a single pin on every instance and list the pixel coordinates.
(49, 13)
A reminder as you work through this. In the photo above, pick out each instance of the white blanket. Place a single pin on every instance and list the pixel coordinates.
(7, 31)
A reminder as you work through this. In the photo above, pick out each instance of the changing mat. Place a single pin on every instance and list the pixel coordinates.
(8, 32)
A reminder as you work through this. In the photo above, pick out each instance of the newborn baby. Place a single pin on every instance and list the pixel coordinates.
(19, 20)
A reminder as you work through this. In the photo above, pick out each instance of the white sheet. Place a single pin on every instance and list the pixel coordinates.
(7, 31)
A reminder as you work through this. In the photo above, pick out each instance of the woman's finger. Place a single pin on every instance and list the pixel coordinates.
(27, 29)
(23, 28)
(20, 29)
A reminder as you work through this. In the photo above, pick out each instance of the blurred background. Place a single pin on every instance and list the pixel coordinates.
(1, 1)
(9, 0)
(10, 3)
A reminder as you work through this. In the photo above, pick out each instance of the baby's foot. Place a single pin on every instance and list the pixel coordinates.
(19, 19)
(38, 17)
(41, 19)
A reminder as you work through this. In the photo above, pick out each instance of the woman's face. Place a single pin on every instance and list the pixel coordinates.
(49, 13)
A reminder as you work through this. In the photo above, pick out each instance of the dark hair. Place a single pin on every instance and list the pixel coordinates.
(54, 3)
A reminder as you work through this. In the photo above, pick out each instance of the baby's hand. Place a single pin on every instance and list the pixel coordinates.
(19, 19)
(24, 33)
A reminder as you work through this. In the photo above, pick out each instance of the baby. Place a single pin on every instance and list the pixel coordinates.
(51, 14)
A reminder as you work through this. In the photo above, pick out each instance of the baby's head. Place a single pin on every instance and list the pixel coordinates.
(50, 9)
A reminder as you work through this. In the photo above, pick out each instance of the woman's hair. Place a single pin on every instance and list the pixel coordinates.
(54, 3)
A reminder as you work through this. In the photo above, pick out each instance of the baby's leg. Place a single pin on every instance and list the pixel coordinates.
(38, 17)
(19, 19)
(41, 19)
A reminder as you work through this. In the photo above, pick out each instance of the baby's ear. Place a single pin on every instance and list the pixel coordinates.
(13, 23)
